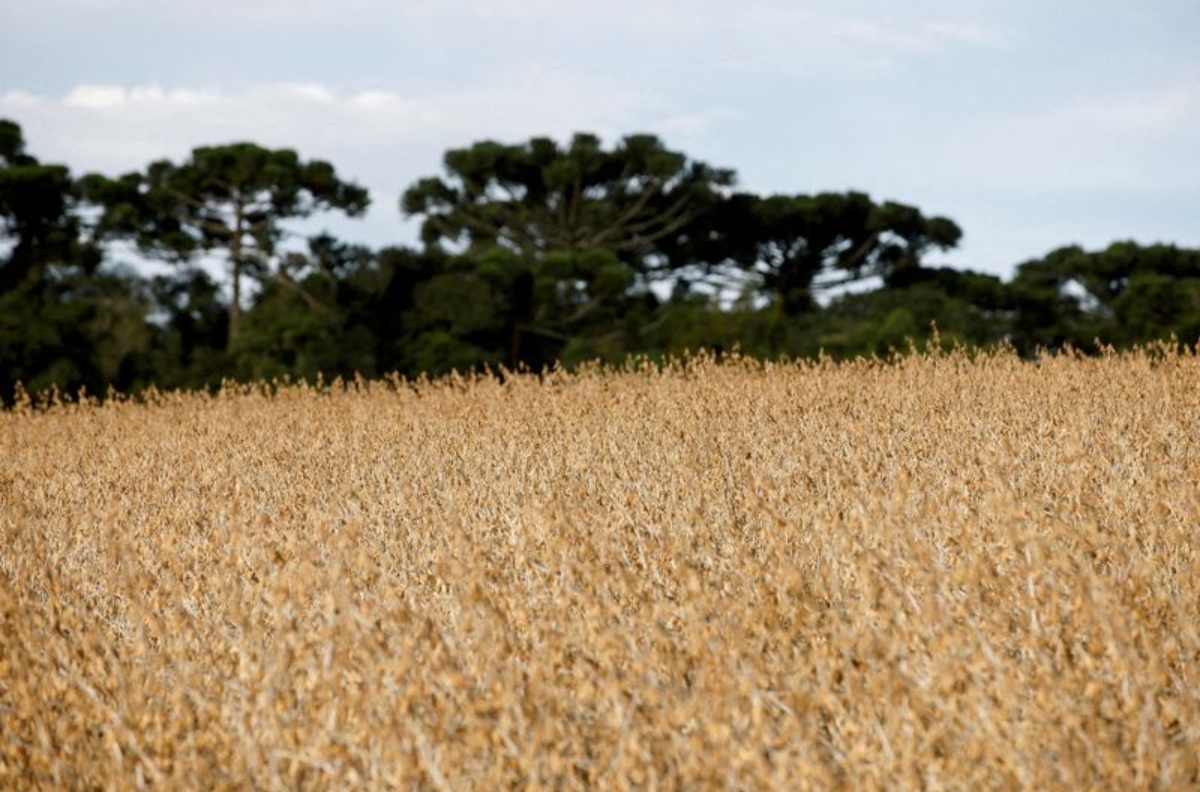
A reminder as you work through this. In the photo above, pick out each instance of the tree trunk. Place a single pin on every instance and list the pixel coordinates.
(514, 347)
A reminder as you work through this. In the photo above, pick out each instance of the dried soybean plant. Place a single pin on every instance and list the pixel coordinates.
(940, 571)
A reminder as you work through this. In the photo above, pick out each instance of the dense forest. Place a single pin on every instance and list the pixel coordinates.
(531, 254)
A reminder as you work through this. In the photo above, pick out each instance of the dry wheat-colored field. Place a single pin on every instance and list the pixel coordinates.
(932, 573)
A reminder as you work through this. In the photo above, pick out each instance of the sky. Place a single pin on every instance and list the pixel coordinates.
(1032, 123)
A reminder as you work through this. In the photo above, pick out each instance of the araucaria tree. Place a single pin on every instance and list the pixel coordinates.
(801, 244)
(230, 199)
(562, 233)
(537, 197)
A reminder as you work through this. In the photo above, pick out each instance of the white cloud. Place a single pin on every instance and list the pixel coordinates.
(103, 97)
(96, 96)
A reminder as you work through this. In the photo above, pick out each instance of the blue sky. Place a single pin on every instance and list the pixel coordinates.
(1032, 123)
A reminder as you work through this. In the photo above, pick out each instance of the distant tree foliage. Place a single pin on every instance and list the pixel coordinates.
(1121, 295)
(802, 244)
(63, 323)
(36, 217)
(558, 237)
(233, 198)
(540, 197)
(533, 254)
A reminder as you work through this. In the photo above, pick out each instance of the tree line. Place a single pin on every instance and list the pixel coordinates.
(531, 255)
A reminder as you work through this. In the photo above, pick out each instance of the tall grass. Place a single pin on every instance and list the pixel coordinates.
(932, 573)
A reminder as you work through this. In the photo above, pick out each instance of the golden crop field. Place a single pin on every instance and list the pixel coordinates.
(938, 572)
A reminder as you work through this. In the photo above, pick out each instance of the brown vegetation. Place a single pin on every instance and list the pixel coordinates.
(931, 573)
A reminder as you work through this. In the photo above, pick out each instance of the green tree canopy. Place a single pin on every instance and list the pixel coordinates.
(559, 235)
(37, 225)
(800, 244)
(535, 253)
(539, 197)
(1121, 295)
(309, 321)
(63, 322)
(233, 199)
